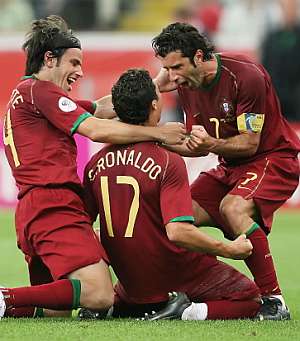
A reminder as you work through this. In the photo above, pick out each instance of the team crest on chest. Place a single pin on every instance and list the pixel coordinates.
(226, 108)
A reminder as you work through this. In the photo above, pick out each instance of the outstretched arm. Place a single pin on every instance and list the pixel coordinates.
(111, 131)
(190, 237)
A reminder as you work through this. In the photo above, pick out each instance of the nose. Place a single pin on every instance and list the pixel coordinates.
(173, 75)
(79, 71)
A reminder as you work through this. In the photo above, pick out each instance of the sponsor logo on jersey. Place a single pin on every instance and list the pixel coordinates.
(250, 121)
(66, 105)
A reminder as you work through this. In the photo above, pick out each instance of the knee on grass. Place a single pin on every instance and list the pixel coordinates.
(96, 298)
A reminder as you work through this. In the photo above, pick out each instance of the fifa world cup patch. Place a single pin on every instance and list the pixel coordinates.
(66, 105)
(250, 122)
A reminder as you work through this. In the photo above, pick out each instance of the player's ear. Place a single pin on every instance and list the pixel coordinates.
(198, 57)
(154, 104)
(48, 59)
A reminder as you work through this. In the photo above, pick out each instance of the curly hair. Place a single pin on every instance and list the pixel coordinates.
(49, 34)
(182, 37)
(132, 96)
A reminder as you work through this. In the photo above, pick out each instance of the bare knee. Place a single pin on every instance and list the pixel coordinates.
(95, 297)
(237, 212)
(230, 207)
(96, 286)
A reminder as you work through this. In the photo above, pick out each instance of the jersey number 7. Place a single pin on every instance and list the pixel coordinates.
(135, 204)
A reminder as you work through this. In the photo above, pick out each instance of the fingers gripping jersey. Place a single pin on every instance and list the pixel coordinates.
(240, 98)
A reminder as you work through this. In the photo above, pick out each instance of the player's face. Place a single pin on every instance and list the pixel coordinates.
(68, 69)
(182, 71)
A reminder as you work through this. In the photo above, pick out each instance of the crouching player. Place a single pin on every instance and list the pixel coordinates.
(141, 193)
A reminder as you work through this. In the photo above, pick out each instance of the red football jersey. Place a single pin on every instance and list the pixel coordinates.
(38, 129)
(137, 189)
(242, 92)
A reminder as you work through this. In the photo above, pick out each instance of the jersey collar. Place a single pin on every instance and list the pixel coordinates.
(217, 76)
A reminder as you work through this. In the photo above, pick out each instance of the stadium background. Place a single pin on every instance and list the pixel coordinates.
(116, 35)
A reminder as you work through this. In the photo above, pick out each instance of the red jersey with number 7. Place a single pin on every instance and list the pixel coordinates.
(240, 98)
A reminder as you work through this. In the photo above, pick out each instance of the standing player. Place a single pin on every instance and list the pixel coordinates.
(53, 229)
(142, 196)
(232, 110)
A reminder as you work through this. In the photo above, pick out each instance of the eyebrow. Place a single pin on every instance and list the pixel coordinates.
(75, 61)
(175, 66)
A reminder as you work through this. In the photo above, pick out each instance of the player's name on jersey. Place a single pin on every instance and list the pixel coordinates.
(126, 158)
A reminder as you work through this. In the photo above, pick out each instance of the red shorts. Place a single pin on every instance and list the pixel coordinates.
(55, 234)
(219, 282)
(269, 182)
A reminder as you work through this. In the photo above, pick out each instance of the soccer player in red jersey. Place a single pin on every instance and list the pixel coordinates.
(141, 193)
(66, 261)
(232, 110)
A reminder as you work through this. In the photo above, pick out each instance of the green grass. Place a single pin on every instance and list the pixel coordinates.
(284, 241)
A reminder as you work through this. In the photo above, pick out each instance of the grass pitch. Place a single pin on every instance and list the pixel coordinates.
(284, 241)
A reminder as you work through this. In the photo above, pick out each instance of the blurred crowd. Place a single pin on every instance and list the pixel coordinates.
(269, 29)
(80, 14)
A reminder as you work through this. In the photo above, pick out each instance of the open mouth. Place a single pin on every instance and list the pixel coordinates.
(71, 80)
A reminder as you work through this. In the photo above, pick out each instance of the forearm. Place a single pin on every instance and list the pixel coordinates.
(193, 239)
(111, 131)
(243, 145)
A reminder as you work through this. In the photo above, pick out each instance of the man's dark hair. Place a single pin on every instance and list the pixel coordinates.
(182, 37)
(132, 96)
(49, 34)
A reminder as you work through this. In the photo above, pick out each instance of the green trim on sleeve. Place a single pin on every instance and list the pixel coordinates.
(76, 293)
(94, 105)
(253, 228)
(79, 120)
(184, 218)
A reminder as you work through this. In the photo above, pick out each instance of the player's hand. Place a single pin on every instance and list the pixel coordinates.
(104, 108)
(172, 133)
(240, 248)
(163, 81)
(200, 141)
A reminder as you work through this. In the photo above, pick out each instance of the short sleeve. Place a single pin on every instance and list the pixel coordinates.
(62, 111)
(252, 92)
(89, 106)
(175, 196)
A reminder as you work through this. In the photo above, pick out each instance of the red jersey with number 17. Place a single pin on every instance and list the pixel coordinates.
(241, 97)
(38, 135)
(136, 190)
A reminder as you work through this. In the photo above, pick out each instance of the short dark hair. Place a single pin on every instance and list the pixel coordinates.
(132, 96)
(182, 37)
(48, 34)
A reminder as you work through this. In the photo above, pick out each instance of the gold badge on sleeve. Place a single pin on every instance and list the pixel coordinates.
(250, 122)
